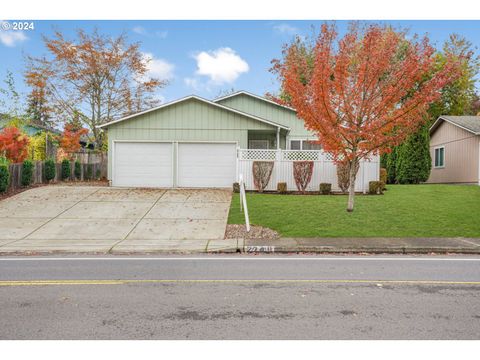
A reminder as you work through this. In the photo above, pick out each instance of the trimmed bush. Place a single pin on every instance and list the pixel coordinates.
(282, 187)
(375, 187)
(4, 175)
(27, 173)
(343, 175)
(89, 172)
(50, 169)
(66, 169)
(236, 187)
(78, 170)
(302, 173)
(262, 170)
(98, 173)
(325, 188)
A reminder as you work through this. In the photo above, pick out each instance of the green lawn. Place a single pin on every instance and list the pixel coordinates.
(404, 211)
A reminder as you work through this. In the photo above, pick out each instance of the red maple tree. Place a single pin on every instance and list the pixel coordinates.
(363, 93)
(13, 144)
(70, 139)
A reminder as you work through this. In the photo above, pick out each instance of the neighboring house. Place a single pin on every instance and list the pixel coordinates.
(455, 150)
(193, 142)
(29, 129)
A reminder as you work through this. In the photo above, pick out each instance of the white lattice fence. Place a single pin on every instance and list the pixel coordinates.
(324, 169)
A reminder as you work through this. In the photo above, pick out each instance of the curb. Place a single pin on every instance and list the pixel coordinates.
(329, 250)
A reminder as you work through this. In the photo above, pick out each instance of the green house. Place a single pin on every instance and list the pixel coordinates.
(193, 142)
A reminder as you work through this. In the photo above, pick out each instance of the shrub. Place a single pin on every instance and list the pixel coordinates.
(98, 173)
(236, 187)
(343, 175)
(375, 187)
(89, 174)
(50, 169)
(66, 169)
(325, 188)
(27, 173)
(302, 173)
(262, 170)
(282, 187)
(37, 147)
(78, 170)
(4, 174)
(383, 177)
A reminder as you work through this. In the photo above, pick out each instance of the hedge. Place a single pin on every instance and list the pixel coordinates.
(27, 173)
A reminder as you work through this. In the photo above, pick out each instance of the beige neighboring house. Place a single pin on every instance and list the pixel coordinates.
(455, 150)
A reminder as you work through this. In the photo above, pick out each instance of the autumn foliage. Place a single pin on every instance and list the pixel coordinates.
(362, 93)
(70, 139)
(13, 144)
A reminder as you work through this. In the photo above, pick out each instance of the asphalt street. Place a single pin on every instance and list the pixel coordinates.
(240, 297)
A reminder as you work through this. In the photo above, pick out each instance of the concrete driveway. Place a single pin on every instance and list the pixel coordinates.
(116, 220)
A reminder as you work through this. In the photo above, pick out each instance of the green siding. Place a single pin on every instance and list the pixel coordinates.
(190, 120)
(268, 111)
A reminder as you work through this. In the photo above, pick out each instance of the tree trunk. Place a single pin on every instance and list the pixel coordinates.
(351, 191)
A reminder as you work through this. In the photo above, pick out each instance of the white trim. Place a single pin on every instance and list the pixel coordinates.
(199, 99)
(435, 157)
(435, 126)
(139, 141)
(243, 92)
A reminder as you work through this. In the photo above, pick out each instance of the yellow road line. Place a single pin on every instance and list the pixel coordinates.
(294, 281)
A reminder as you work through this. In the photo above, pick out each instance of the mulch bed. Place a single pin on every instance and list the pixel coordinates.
(235, 231)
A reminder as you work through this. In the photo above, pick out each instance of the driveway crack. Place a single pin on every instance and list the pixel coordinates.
(136, 224)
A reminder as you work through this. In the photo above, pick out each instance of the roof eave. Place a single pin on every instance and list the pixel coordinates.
(437, 123)
(106, 125)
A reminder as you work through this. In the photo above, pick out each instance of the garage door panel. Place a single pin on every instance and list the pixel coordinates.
(206, 164)
(143, 164)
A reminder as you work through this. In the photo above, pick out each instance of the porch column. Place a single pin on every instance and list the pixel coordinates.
(278, 138)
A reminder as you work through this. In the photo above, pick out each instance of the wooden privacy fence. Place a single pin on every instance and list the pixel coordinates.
(324, 169)
(38, 175)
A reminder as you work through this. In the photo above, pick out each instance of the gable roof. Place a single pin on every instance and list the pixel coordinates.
(242, 92)
(201, 100)
(468, 123)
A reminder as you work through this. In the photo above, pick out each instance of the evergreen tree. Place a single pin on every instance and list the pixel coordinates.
(414, 163)
(390, 165)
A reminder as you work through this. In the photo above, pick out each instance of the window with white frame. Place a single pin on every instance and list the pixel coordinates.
(301, 144)
(439, 160)
(258, 144)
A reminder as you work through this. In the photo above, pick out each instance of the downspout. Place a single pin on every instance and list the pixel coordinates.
(278, 138)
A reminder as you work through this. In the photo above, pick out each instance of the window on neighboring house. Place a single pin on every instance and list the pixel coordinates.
(440, 157)
(258, 144)
(304, 145)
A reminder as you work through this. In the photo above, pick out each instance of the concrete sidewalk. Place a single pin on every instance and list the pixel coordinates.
(282, 245)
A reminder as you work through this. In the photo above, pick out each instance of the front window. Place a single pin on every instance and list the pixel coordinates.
(304, 145)
(440, 157)
(258, 144)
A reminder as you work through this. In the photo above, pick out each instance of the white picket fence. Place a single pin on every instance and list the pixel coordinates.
(324, 169)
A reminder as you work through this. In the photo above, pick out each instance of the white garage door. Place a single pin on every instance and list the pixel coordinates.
(142, 164)
(206, 164)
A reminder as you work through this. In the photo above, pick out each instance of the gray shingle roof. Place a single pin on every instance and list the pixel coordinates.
(469, 123)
